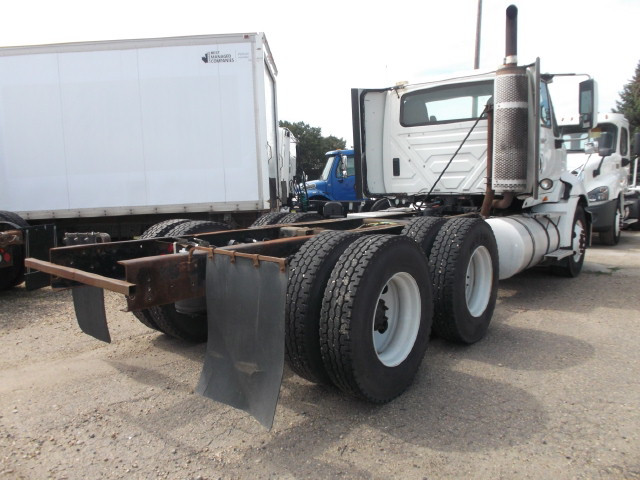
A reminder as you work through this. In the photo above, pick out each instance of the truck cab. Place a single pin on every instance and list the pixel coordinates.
(334, 193)
(337, 180)
(600, 157)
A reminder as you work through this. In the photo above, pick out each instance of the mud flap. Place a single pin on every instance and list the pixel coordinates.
(89, 304)
(244, 362)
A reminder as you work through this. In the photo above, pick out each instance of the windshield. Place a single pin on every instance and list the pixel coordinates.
(327, 169)
(575, 138)
(450, 103)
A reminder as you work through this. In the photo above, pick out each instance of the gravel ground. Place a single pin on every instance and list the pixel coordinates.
(553, 392)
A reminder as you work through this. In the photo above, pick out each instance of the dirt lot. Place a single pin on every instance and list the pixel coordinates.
(553, 392)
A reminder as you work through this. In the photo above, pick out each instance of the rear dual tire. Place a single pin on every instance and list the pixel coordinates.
(309, 272)
(270, 218)
(190, 327)
(376, 317)
(298, 217)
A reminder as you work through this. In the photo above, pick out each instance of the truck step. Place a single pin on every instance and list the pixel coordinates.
(558, 254)
(630, 221)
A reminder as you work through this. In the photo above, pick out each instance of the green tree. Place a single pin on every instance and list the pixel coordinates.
(629, 103)
(312, 146)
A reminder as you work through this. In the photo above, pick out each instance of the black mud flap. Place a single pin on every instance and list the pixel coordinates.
(244, 362)
(89, 304)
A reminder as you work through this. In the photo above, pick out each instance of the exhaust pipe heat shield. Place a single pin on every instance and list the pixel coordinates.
(510, 133)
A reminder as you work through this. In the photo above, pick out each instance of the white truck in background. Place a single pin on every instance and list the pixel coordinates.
(601, 156)
(116, 136)
(633, 192)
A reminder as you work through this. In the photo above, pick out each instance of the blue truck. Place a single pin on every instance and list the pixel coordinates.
(337, 183)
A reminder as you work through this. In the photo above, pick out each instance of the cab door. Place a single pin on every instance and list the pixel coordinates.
(344, 186)
(367, 110)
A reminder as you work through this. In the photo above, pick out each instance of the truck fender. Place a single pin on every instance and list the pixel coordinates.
(577, 196)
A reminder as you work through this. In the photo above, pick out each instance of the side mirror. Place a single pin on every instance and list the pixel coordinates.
(588, 103)
(342, 167)
(636, 145)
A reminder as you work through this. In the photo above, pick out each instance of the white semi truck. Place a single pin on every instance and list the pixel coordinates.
(476, 170)
(115, 136)
(601, 157)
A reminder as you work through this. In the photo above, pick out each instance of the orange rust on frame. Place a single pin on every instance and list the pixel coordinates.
(112, 284)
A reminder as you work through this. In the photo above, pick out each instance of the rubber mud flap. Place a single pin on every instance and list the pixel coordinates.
(89, 304)
(244, 362)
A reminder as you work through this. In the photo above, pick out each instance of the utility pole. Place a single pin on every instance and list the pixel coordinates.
(476, 62)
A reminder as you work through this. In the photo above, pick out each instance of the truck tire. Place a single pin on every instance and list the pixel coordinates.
(464, 269)
(13, 275)
(160, 229)
(270, 218)
(376, 317)
(297, 217)
(190, 327)
(193, 227)
(424, 230)
(309, 271)
(380, 204)
(571, 266)
(612, 236)
(156, 231)
(634, 213)
(11, 218)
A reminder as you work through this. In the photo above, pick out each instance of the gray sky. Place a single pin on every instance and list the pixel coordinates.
(323, 49)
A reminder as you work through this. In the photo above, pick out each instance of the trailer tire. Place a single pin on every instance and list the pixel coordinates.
(190, 327)
(309, 272)
(13, 275)
(376, 317)
(612, 235)
(297, 217)
(572, 266)
(424, 230)
(156, 231)
(271, 218)
(464, 269)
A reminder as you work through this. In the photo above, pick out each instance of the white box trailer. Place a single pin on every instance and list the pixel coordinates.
(152, 126)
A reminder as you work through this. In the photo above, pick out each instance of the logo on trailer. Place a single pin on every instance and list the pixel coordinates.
(217, 57)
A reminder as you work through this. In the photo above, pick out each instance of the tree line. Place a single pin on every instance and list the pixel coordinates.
(312, 147)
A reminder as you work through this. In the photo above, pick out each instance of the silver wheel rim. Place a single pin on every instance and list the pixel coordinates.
(478, 281)
(579, 241)
(616, 226)
(401, 297)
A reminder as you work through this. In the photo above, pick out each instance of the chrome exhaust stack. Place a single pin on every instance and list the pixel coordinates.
(510, 134)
